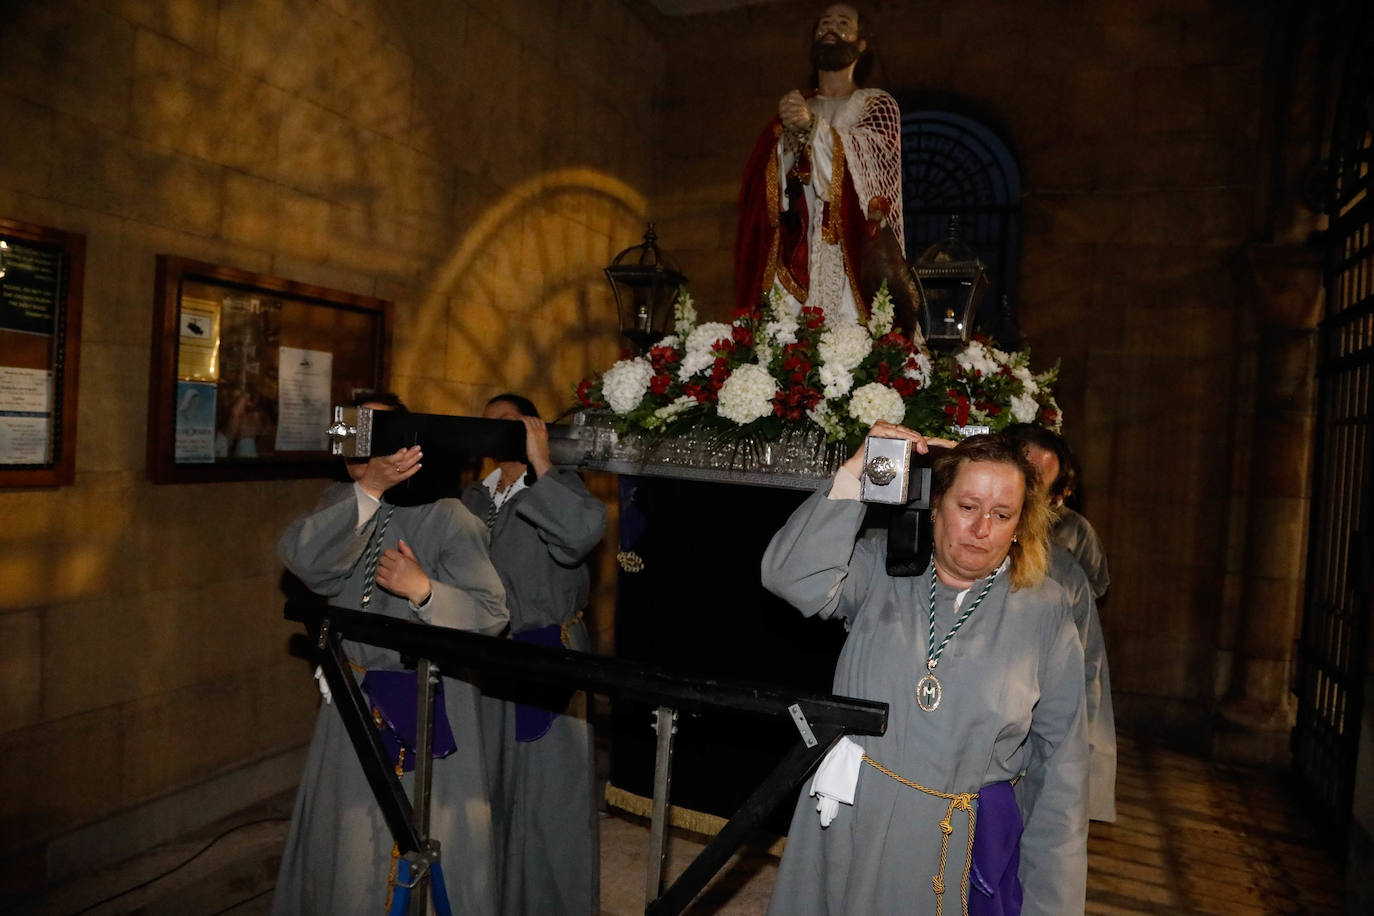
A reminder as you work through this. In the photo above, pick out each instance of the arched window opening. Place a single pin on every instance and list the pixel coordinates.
(955, 165)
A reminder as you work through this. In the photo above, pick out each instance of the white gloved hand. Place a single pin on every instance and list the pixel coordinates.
(827, 808)
(836, 779)
(324, 685)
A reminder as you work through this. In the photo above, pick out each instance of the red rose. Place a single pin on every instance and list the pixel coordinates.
(659, 383)
(743, 336)
(958, 411)
(584, 396)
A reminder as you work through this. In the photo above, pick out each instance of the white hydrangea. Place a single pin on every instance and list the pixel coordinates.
(624, 383)
(922, 371)
(671, 341)
(876, 401)
(835, 381)
(747, 394)
(845, 347)
(880, 312)
(1023, 408)
(684, 312)
(698, 349)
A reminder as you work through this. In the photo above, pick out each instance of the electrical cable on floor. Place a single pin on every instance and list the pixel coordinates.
(180, 865)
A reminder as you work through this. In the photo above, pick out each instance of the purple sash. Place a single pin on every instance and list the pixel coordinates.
(534, 722)
(996, 889)
(394, 695)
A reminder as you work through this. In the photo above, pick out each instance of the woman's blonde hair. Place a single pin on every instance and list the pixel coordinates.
(1030, 551)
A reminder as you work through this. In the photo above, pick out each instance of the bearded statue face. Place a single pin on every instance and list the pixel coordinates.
(836, 43)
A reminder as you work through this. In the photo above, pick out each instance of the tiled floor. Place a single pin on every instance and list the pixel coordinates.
(1191, 838)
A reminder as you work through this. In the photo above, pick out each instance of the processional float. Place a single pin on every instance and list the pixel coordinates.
(820, 720)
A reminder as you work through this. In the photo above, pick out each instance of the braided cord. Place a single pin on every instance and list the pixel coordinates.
(962, 801)
(370, 569)
(933, 655)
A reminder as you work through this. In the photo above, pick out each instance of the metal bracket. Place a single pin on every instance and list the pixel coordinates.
(350, 435)
(803, 726)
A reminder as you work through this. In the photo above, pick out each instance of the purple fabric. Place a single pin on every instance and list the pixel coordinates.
(995, 887)
(633, 522)
(534, 722)
(394, 694)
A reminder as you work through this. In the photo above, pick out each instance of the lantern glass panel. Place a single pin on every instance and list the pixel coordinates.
(645, 282)
(951, 278)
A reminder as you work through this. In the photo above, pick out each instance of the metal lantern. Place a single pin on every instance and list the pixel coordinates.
(645, 282)
(951, 278)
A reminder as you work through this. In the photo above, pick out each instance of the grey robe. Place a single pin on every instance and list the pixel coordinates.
(338, 849)
(1013, 701)
(1101, 723)
(1076, 533)
(542, 792)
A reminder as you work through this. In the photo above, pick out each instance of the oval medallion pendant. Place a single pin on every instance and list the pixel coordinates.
(928, 693)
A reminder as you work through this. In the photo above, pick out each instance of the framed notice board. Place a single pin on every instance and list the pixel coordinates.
(246, 369)
(41, 277)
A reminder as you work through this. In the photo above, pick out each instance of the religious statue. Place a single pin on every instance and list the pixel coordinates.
(822, 186)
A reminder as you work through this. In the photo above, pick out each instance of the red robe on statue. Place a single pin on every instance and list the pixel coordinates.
(771, 237)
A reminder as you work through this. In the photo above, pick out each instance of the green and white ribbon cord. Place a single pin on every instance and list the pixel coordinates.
(370, 568)
(933, 654)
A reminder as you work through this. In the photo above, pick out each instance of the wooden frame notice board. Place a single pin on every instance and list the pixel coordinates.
(246, 369)
(42, 275)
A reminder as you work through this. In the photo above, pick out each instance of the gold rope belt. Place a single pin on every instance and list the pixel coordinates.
(959, 800)
(565, 629)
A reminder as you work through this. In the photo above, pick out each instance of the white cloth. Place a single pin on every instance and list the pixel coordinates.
(836, 779)
(499, 497)
(324, 685)
(367, 505)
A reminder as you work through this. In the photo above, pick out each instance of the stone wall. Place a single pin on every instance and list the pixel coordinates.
(1141, 132)
(476, 163)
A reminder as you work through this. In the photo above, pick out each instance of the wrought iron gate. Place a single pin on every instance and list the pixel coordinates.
(1340, 567)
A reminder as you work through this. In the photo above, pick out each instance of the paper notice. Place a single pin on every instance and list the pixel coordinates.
(25, 415)
(303, 399)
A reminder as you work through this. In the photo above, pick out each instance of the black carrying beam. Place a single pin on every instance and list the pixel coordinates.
(457, 651)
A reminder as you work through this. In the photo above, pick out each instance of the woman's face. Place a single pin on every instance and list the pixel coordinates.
(975, 521)
(501, 410)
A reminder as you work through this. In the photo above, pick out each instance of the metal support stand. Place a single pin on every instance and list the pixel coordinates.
(820, 719)
(665, 724)
(414, 871)
(426, 677)
(418, 865)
